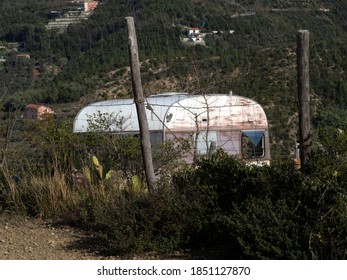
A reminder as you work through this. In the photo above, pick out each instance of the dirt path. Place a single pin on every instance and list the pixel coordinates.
(35, 239)
(27, 239)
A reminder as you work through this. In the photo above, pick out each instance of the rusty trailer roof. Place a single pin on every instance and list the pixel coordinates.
(176, 112)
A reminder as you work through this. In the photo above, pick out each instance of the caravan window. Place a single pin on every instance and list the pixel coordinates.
(252, 144)
(204, 140)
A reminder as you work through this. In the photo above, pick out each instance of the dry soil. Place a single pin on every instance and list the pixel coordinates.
(35, 239)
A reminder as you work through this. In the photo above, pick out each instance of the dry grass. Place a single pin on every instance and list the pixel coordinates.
(46, 195)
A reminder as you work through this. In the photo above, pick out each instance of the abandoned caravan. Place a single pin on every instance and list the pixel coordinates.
(236, 124)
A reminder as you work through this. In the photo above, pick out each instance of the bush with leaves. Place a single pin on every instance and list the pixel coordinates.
(274, 212)
(325, 195)
(136, 222)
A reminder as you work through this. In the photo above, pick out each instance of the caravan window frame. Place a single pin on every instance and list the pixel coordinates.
(202, 147)
(250, 137)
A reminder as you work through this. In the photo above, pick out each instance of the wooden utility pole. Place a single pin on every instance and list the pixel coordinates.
(305, 137)
(140, 104)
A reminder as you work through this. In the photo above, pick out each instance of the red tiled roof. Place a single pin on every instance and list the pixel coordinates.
(32, 106)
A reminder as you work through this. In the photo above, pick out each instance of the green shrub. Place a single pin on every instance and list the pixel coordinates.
(138, 222)
(273, 212)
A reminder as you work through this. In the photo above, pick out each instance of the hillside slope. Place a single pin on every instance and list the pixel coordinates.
(250, 49)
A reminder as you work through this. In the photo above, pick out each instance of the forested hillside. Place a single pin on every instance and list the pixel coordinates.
(257, 60)
(249, 48)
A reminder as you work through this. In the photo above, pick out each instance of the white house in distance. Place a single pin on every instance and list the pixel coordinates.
(193, 32)
(235, 124)
(194, 37)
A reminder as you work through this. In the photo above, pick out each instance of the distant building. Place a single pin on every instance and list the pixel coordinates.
(13, 46)
(84, 6)
(90, 5)
(74, 12)
(36, 112)
(194, 37)
(23, 56)
(193, 32)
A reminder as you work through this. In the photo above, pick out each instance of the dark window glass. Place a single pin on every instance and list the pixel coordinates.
(252, 144)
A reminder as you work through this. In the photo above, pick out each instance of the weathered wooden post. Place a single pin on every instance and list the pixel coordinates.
(305, 136)
(140, 104)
